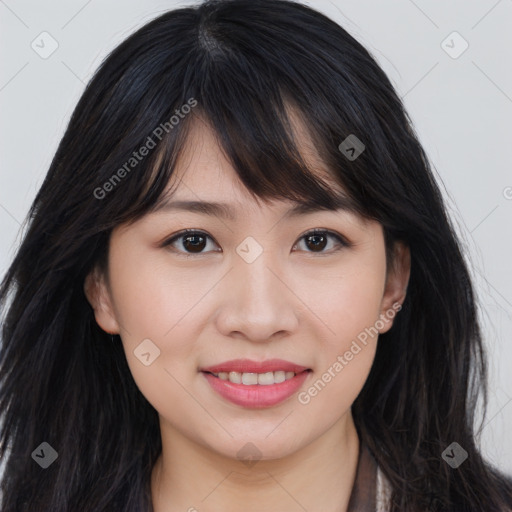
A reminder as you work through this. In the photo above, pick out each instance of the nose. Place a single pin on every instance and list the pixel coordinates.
(258, 304)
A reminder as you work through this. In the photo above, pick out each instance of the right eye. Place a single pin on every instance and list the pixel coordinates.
(188, 242)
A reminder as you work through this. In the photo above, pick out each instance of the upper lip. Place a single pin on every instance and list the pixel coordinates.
(250, 366)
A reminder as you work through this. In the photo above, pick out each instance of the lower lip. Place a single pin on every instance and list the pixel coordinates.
(256, 396)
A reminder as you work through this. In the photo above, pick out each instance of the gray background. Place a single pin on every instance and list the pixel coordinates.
(461, 106)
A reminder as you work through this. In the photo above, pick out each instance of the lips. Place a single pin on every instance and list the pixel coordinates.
(255, 384)
(249, 366)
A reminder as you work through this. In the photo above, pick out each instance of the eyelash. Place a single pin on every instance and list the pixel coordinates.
(343, 242)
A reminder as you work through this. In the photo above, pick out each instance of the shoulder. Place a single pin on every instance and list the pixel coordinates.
(384, 491)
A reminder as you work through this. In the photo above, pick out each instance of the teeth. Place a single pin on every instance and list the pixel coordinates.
(266, 378)
(250, 379)
(235, 377)
(279, 377)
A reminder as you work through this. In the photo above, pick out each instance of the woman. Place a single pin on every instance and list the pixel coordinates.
(239, 288)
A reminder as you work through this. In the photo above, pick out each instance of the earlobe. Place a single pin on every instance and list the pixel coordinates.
(98, 296)
(396, 285)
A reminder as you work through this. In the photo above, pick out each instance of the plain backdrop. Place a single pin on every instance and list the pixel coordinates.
(457, 88)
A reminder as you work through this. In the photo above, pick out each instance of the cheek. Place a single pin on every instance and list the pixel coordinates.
(352, 301)
(358, 303)
(346, 356)
(152, 304)
(148, 301)
(350, 309)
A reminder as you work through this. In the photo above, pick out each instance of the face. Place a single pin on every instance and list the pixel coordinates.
(257, 286)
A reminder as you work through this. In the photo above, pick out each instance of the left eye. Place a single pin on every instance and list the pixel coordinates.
(319, 238)
(194, 242)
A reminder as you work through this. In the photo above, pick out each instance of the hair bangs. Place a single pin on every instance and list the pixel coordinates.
(261, 129)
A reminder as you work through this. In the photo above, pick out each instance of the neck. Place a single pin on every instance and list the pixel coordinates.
(191, 477)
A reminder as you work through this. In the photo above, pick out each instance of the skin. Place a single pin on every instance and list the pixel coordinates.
(291, 303)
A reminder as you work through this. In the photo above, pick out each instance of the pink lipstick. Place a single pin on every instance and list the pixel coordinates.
(254, 384)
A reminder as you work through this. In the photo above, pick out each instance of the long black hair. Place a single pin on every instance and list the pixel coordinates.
(238, 65)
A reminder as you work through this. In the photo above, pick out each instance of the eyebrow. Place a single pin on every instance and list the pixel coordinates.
(226, 211)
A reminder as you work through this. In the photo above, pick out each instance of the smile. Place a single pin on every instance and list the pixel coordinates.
(249, 379)
(253, 384)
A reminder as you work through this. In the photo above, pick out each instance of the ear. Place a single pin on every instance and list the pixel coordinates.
(99, 297)
(395, 289)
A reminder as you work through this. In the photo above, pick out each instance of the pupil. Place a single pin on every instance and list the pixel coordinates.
(317, 245)
(196, 245)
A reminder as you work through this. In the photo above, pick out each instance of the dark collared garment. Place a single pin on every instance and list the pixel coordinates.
(364, 492)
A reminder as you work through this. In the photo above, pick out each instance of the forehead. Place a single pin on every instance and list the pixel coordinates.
(205, 182)
(203, 168)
